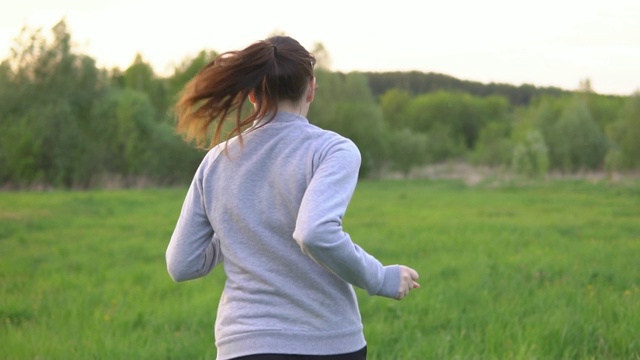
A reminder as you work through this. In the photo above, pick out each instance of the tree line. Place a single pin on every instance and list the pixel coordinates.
(65, 123)
(415, 82)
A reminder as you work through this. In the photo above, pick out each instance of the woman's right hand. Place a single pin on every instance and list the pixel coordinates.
(408, 278)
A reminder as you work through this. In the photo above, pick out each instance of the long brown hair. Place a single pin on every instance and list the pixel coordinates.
(275, 69)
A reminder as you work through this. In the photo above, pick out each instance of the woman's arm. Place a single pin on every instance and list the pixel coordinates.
(319, 224)
(194, 249)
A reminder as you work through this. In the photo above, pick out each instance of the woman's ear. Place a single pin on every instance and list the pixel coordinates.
(311, 91)
(252, 97)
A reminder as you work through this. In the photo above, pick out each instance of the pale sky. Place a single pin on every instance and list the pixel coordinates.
(544, 43)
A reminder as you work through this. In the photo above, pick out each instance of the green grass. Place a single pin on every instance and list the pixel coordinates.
(544, 271)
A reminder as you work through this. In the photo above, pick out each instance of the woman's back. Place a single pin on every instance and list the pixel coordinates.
(253, 194)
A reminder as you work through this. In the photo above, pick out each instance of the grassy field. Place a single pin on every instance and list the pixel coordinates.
(544, 271)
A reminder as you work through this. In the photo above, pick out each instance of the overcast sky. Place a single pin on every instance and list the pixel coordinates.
(544, 42)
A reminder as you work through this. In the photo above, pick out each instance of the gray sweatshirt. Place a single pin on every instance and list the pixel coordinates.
(270, 210)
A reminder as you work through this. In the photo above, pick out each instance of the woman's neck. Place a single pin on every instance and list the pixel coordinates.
(299, 108)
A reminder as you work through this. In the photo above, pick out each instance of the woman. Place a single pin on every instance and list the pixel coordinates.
(268, 204)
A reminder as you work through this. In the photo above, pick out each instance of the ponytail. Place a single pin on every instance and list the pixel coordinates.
(275, 69)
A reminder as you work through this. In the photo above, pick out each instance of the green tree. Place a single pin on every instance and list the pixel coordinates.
(327, 96)
(344, 104)
(128, 117)
(494, 146)
(605, 109)
(140, 76)
(453, 121)
(625, 134)
(530, 157)
(65, 125)
(576, 142)
(20, 152)
(48, 92)
(419, 83)
(134, 147)
(394, 103)
(407, 149)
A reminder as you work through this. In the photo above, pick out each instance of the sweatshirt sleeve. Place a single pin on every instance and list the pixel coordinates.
(194, 249)
(319, 229)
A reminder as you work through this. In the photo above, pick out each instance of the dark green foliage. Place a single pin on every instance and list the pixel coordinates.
(452, 122)
(461, 115)
(531, 156)
(47, 94)
(625, 135)
(604, 109)
(344, 104)
(135, 146)
(140, 77)
(394, 104)
(577, 142)
(417, 83)
(494, 146)
(407, 149)
(64, 124)
(575, 139)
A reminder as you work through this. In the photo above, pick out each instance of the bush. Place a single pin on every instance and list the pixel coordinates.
(576, 142)
(530, 157)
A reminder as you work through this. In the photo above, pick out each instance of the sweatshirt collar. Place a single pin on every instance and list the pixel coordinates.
(282, 117)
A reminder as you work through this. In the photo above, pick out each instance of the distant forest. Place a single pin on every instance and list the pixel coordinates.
(65, 123)
(416, 83)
